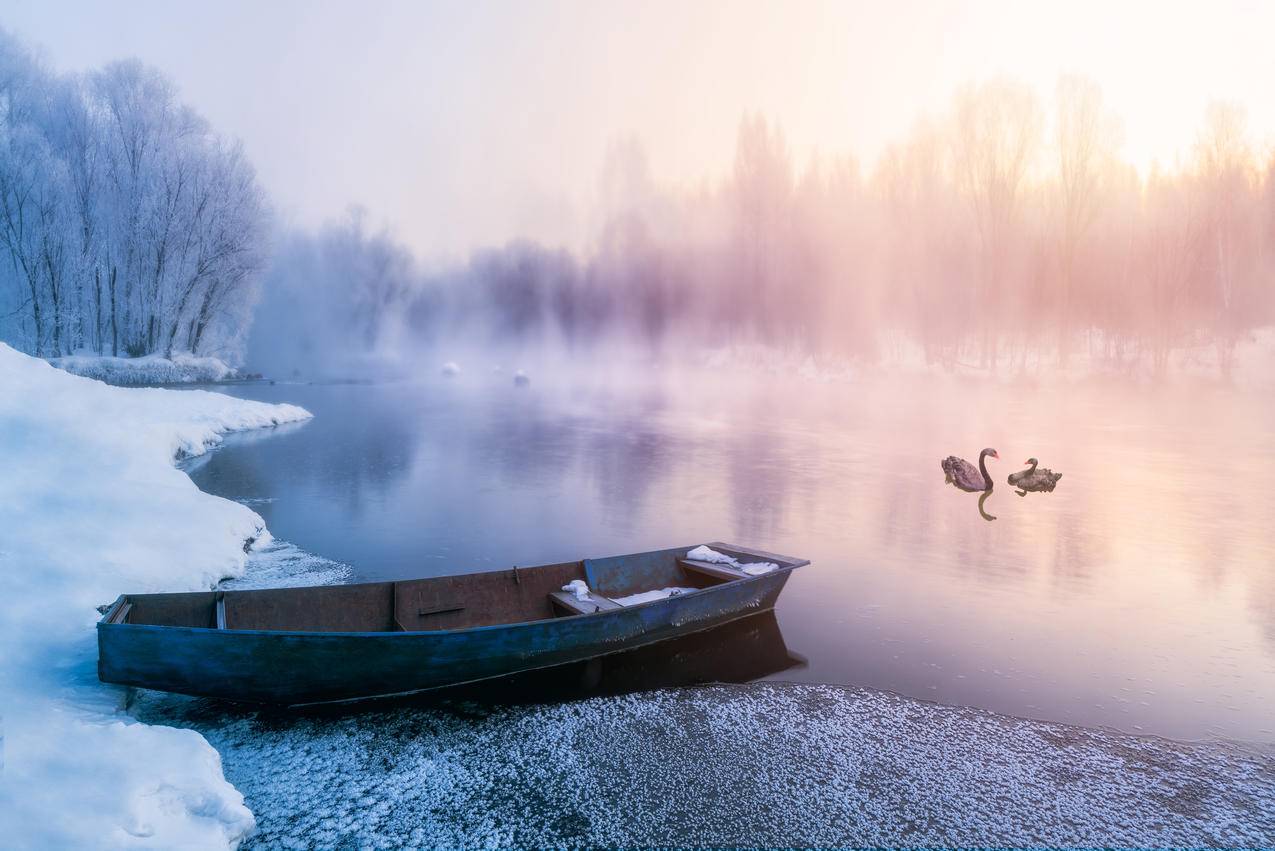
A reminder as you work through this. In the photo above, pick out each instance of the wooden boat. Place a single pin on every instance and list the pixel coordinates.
(342, 642)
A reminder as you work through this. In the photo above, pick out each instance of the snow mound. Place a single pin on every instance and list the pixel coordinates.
(91, 506)
(181, 368)
(578, 588)
(648, 596)
(755, 568)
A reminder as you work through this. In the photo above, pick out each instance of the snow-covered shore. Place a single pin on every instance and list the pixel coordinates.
(181, 368)
(758, 765)
(91, 505)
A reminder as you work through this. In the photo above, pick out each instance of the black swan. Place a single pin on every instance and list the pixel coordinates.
(1031, 479)
(965, 476)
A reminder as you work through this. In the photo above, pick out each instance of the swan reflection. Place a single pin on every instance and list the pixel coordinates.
(981, 510)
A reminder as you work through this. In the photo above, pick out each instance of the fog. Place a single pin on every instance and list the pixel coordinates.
(463, 125)
(960, 217)
(1005, 233)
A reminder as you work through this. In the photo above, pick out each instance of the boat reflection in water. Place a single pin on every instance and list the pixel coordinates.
(737, 652)
(741, 651)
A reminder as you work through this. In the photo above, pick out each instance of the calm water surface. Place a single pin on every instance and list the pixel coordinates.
(1140, 595)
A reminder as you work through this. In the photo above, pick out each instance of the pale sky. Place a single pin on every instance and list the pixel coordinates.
(467, 124)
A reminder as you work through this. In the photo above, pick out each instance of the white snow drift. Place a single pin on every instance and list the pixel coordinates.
(92, 506)
(755, 568)
(181, 368)
(579, 589)
(649, 596)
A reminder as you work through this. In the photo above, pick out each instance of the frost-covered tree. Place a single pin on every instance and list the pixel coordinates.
(331, 297)
(961, 242)
(997, 133)
(762, 187)
(129, 226)
(1086, 136)
(1227, 174)
(926, 265)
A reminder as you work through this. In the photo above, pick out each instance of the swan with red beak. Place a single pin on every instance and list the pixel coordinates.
(965, 475)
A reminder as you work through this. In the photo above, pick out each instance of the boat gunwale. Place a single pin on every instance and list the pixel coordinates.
(102, 624)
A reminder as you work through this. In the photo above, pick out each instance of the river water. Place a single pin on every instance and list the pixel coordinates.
(1139, 595)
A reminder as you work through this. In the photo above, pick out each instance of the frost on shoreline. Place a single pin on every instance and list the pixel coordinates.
(91, 505)
(181, 368)
(769, 765)
(279, 564)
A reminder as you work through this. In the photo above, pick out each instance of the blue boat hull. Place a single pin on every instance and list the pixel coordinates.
(282, 667)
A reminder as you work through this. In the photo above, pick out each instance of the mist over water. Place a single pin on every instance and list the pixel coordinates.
(1135, 596)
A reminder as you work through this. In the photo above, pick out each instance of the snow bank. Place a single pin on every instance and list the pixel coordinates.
(648, 596)
(755, 568)
(181, 368)
(92, 506)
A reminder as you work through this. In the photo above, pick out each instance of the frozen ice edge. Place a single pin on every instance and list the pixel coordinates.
(279, 564)
(766, 764)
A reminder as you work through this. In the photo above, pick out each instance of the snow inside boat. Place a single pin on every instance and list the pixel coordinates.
(342, 642)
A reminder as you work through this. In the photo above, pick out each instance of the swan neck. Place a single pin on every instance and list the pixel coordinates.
(982, 468)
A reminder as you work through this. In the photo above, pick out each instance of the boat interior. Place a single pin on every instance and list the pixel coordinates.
(461, 601)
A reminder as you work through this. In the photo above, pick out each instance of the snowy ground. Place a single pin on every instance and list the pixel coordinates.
(181, 368)
(91, 505)
(755, 765)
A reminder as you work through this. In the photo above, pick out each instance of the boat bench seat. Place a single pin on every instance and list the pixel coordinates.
(716, 571)
(595, 603)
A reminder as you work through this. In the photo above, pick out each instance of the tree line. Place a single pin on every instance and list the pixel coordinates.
(1007, 228)
(127, 226)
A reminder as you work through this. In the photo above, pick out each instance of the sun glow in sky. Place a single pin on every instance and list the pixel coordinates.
(467, 124)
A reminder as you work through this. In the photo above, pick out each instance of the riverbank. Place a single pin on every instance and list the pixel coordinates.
(760, 765)
(92, 506)
(151, 370)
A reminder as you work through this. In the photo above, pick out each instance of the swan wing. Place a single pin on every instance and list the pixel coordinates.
(964, 474)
